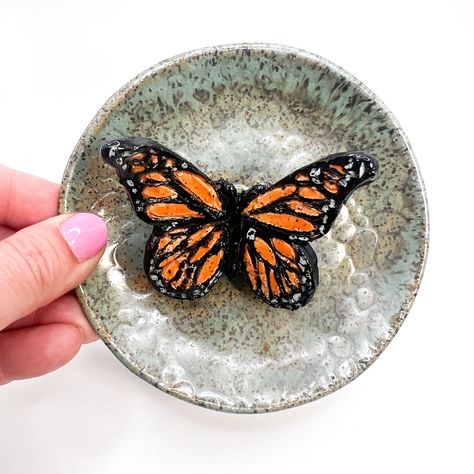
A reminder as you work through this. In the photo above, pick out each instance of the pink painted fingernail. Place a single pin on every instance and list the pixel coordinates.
(86, 235)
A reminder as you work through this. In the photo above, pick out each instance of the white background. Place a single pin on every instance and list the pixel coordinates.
(410, 412)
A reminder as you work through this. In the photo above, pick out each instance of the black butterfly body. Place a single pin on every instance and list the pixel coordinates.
(203, 228)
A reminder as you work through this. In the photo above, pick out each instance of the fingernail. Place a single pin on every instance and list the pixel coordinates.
(86, 235)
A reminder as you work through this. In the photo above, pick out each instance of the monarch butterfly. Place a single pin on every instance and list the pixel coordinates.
(204, 228)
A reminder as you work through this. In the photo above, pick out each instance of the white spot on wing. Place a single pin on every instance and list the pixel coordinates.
(251, 234)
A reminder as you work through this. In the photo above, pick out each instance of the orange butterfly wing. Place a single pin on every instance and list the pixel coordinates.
(304, 205)
(186, 261)
(283, 274)
(163, 187)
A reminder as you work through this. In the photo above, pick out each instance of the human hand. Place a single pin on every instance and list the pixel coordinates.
(43, 256)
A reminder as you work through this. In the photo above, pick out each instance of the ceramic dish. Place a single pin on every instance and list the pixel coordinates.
(252, 113)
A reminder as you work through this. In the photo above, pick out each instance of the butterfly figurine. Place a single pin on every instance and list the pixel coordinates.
(204, 228)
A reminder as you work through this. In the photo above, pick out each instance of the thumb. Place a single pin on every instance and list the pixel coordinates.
(42, 262)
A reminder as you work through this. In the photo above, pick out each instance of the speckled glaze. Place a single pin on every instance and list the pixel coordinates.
(252, 113)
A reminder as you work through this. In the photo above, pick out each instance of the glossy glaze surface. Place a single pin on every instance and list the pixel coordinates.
(250, 114)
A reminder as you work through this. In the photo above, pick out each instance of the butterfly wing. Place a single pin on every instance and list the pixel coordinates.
(184, 256)
(163, 187)
(280, 220)
(186, 261)
(303, 206)
(284, 274)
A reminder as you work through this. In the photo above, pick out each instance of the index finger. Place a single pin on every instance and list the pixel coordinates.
(24, 199)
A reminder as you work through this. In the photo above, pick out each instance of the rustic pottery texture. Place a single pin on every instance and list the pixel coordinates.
(252, 113)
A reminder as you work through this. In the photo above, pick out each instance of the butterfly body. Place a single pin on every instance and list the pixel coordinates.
(204, 228)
